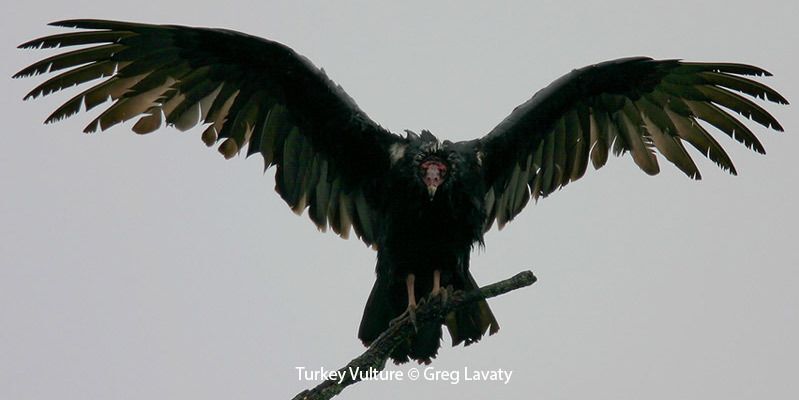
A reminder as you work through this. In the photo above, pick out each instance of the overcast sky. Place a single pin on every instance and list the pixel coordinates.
(150, 268)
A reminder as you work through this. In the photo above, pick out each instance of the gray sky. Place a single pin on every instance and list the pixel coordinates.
(150, 268)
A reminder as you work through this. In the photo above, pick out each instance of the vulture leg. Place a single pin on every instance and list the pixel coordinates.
(438, 291)
(411, 310)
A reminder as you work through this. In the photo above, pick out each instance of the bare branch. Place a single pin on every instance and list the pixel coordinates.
(373, 360)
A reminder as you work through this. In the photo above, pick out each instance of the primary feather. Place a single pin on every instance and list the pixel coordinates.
(636, 105)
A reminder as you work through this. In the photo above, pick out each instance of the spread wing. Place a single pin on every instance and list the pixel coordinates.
(251, 94)
(636, 105)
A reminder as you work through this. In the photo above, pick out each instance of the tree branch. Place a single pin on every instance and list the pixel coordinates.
(373, 360)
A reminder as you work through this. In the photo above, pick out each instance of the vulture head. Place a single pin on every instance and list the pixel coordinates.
(428, 165)
(433, 172)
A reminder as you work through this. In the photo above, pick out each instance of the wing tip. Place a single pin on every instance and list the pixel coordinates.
(729, 68)
(31, 44)
(67, 23)
(74, 23)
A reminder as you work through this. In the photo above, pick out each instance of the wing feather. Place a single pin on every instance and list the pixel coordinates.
(559, 159)
(636, 105)
(637, 138)
(248, 92)
(73, 77)
(693, 133)
(318, 208)
(75, 39)
(713, 115)
(742, 106)
(580, 148)
(70, 59)
(600, 127)
(549, 165)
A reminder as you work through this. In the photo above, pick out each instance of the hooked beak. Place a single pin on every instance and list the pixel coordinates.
(431, 190)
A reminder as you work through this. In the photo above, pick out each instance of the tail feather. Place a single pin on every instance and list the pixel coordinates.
(377, 314)
(425, 344)
(470, 323)
(466, 325)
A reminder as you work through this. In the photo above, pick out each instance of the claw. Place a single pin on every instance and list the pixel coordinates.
(409, 312)
(444, 293)
(412, 317)
(440, 295)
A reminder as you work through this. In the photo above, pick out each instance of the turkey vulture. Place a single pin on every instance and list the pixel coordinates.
(420, 202)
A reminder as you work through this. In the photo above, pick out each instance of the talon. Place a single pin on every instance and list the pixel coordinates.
(409, 312)
(412, 316)
(439, 295)
(397, 319)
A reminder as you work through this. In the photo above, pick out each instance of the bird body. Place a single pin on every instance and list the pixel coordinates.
(422, 203)
(423, 233)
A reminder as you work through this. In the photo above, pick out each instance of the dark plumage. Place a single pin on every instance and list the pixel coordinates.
(422, 203)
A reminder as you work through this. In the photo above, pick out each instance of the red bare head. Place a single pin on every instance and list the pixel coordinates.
(433, 173)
